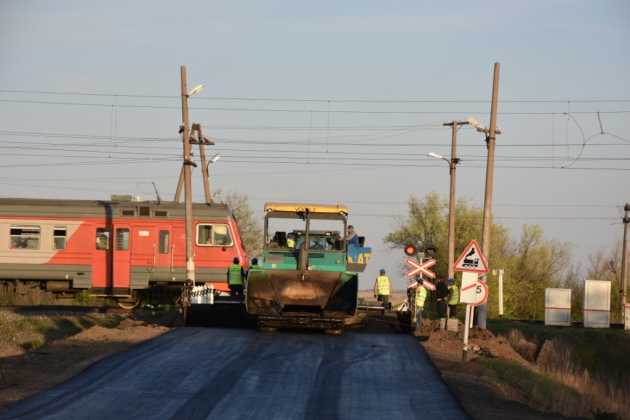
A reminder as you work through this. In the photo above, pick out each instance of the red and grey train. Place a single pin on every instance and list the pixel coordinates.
(118, 248)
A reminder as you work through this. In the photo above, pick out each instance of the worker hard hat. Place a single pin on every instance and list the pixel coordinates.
(382, 271)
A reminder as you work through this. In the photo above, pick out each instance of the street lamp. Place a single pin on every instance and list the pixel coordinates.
(436, 156)
(213, 159)
(480, 128)
(195, 90)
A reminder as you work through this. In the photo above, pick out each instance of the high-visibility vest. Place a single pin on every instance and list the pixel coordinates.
(291, 243)
(421, 296)
(382, 285)
(235, 276)
(454, 299)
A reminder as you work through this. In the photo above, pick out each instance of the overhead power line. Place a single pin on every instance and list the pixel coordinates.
(301, 142)
(297, 110)
(317, 100)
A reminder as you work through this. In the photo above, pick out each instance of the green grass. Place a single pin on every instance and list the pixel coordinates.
(603, 352)
(535, 387)
(33, 331)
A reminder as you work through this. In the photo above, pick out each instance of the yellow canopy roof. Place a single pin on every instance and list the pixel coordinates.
(312, 208)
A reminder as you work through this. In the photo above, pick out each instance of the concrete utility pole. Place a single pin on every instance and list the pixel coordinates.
(188, 217)
(624, 262)
(487, 201)
(454, 160)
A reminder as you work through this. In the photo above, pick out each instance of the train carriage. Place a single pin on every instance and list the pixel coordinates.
(114, 248)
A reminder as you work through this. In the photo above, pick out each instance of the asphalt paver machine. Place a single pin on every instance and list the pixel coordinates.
(308, 271)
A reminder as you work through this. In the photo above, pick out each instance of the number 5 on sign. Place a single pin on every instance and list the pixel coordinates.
(473, 291)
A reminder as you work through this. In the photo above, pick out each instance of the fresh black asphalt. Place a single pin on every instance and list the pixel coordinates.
(219, 373)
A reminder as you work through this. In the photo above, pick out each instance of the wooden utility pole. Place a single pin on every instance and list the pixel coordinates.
(188, 217)
(453, 161)
(204, 163)
(487, 201)
(624, 262)
(180, 184)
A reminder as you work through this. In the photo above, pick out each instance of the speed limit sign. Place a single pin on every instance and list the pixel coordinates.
(473, 291)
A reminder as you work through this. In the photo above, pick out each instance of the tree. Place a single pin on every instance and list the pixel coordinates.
(249, 227)
(537, 264)
(606, 265)
(531, 264)
(427, 224)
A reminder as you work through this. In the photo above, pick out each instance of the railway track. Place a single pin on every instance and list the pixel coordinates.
(63, 309)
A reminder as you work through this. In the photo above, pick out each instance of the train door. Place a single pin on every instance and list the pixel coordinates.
(145, 248)
(122, 256)
(164, 259)
(102, 262)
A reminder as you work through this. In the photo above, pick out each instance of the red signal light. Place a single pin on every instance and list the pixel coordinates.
(410, 250)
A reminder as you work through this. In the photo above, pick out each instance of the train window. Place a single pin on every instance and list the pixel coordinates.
(128, 212)
(164, 241)
(102, 238)
(59, 237)
(204, 234)
(213, 235)
(24, 237)
(221, 235)
(122, 239)
(145, 211)
(160, 213)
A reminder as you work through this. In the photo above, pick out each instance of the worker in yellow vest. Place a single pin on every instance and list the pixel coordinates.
(236, 278)
(421, 297)
(382, 289)
(453, 298)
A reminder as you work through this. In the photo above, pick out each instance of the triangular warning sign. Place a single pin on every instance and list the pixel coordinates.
(472, 259)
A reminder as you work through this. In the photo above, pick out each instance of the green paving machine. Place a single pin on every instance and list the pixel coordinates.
(308, 271)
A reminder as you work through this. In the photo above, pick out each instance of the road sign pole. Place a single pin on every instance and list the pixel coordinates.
(466, 329)
(501, 292)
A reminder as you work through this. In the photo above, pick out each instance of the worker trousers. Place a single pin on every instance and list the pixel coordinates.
(236, 290)
(418, 318)
(384, 299)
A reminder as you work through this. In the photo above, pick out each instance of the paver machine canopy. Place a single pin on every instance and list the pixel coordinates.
(308, 269)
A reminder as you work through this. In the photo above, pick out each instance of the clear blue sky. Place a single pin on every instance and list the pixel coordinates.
(558, 50)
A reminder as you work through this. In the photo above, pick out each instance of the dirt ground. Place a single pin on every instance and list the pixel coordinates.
(38, 351)
(41, 350)
(474, 384)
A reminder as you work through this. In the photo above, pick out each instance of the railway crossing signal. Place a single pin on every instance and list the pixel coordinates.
(421, 268)
(426, 284)
(410, 250)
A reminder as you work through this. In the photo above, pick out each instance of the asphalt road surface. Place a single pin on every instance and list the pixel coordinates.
(201, 373)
